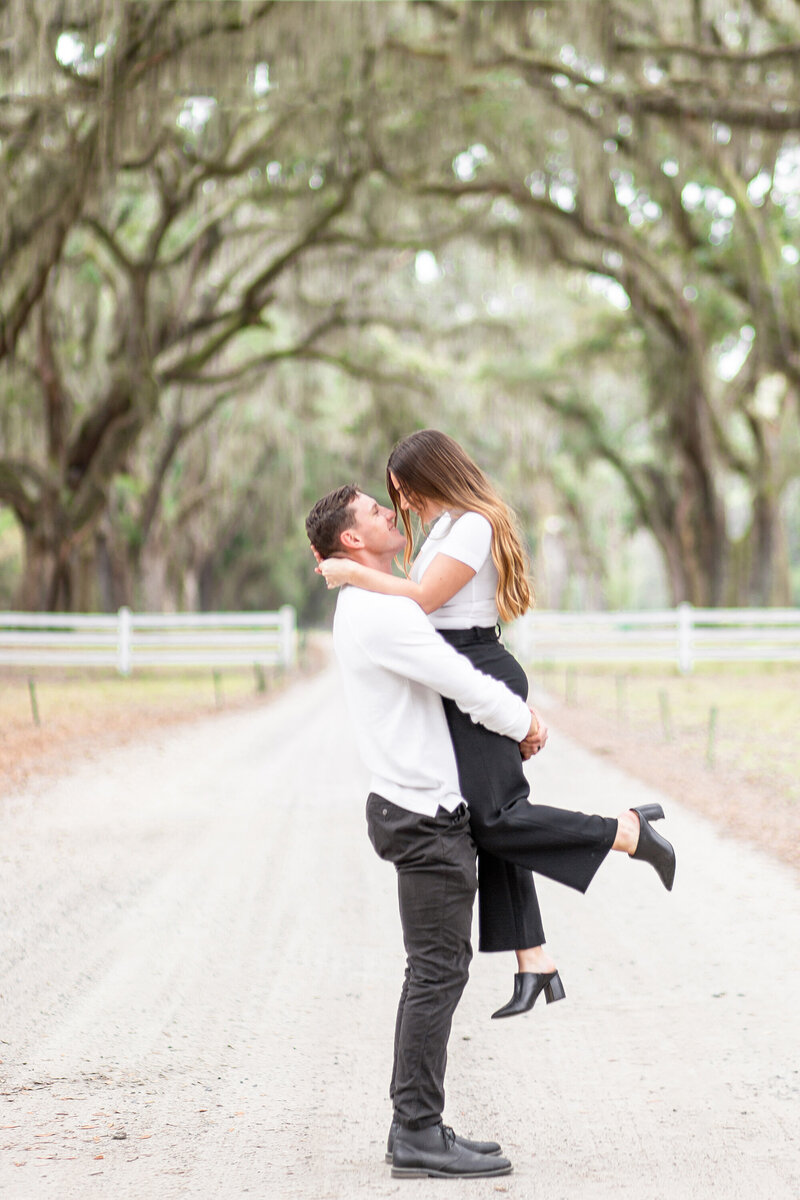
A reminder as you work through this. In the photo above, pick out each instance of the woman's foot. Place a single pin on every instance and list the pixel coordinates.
(636, 836)
(628, 828)
(527, 987)
(535, 960)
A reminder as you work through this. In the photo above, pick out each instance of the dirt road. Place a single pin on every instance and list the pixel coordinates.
(200, 956)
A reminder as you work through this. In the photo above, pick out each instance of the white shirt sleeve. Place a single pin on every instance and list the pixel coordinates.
(397, 635)
(469, 539)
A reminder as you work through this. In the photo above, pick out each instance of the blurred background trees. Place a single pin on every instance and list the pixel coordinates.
(246, 246)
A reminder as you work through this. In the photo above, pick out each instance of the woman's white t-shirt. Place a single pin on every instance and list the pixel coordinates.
(468, 538)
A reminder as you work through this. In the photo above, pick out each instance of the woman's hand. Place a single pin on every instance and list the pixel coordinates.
(336, 571)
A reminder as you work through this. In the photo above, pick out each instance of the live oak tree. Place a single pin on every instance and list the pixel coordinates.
(210, 309)
(159, 252)
(656, 147)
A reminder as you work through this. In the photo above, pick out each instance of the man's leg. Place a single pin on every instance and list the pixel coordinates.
(398, 1025)
(436, 878)
(436, 883)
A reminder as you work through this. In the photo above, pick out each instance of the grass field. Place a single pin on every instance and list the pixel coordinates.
(740, 768)
(755, 732)
(654, 723)
(79, 712)
(61, 695)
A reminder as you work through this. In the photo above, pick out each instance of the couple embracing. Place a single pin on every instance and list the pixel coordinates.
(441, 722)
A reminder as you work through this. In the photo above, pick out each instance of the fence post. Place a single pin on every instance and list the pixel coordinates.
(288, 647)
(34, 703)
(685, 638)
(666, 714)
(124, 641)
(713, 713)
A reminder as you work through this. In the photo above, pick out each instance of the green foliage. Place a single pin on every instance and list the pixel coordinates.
(10, 557)
(550, 238)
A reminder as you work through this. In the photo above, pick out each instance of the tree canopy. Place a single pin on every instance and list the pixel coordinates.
(246, 246)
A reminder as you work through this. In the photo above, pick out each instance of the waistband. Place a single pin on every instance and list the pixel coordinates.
(466, 637)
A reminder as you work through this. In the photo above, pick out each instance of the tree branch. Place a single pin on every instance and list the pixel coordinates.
(251, 301)
(56, 401)
(709, 53)
(109, 241)
(237, 374)
(21, 487)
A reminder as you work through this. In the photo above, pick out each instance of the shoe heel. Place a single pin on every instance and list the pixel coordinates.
(554, 990)
(650, 812)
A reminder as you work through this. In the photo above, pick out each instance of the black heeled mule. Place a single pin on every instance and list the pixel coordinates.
(527, 986)
(652, 847)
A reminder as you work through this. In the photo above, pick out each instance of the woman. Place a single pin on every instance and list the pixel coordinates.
(470, 573)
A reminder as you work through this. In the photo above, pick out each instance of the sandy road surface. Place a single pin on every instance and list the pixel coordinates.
(199, 960)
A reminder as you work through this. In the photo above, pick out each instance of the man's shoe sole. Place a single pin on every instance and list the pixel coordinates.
(430, 1173)
(492, 1154)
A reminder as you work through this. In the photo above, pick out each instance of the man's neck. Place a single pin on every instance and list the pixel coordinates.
(378, 562)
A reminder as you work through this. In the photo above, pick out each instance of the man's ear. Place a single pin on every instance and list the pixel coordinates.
(350, 539)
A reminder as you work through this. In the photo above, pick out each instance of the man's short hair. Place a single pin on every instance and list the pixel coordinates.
(329, 518)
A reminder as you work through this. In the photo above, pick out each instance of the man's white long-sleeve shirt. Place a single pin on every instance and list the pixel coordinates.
(396, 668)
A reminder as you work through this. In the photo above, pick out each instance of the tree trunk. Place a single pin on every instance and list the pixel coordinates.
(769, 581)
(47, 583)
(207, 585)
(153, 581)
(114, 577)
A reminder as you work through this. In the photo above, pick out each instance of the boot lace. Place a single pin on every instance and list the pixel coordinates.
(449, 1136)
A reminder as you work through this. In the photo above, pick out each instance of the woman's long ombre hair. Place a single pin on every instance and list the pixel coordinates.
(430, 466)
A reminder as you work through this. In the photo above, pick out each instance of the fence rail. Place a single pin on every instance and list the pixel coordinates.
(683, 636)
(127, 640)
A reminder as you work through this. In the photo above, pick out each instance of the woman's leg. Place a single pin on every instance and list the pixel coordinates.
(508, 907)
(508, 913)
(566, 846)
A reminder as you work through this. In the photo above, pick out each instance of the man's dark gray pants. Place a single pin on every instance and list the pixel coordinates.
(436, 884)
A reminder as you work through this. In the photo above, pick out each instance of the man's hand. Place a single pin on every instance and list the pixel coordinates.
(535, 738)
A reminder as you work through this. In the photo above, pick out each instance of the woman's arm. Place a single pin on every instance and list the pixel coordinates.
(443, 578)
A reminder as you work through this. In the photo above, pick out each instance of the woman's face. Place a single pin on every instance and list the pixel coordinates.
(426, 510)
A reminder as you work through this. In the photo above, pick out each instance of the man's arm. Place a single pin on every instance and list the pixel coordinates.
(397, 635)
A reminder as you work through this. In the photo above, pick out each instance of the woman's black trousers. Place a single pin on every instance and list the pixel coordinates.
(513, 836)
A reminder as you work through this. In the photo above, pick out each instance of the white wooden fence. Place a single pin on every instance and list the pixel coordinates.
(127, 640)
(683, 636)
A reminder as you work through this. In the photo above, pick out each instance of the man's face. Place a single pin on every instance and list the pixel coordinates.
(375, 526)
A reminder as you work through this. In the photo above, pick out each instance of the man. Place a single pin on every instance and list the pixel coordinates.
(396, 668)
